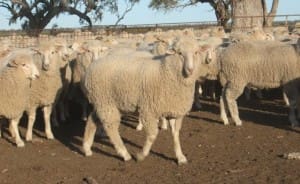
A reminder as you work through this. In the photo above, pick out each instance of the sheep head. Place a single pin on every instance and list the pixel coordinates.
(50, 52)
(187, 49)
(25, 63)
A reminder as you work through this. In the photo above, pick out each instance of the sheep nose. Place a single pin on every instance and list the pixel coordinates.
(46, 66)
(190, 71)
(35, 76)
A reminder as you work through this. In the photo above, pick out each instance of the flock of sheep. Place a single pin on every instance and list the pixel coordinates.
(154, 75)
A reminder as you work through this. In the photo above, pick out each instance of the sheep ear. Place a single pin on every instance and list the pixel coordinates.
(170, 51)
(82, 49)
(12, 63)
(208, 53)
(36, 50)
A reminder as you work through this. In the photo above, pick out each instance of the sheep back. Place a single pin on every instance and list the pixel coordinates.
(14, 92)
(260, 64)
(141, 84)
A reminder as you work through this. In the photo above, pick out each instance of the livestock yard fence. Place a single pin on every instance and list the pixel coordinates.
(21, 39)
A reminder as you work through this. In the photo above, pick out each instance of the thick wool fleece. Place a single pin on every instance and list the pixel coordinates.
(260, 64)
(45, 90)
(14, 93)
(144, 85)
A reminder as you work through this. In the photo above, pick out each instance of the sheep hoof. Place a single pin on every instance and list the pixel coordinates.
(50, 137)
(20, 144)
(84, 118)
(139, 127)
(164, 127)
(88, 153)
(294, 125)
(28, 138)
(226, 123)
(182, 161)
(127, 157)
(140, 157)
(238, 123)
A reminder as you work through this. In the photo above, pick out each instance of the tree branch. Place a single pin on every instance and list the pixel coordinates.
(128, 9)
(81, 15)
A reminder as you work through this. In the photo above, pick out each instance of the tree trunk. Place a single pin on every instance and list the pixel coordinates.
(270, 17)
(247, 14)
(222, 13)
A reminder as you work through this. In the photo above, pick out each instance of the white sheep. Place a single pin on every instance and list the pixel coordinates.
(133, 82)
(87, 52)
(259, 64)
(15, 81)
(45, 91)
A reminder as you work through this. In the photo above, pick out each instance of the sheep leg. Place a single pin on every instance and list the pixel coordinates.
(47, 116)
(223, 108)
(84, 105)
(259, 94)
(31, 119)
(292, 95)
(111, 122)
(197, 93)
(232, 92)
(89, 135)
(11, 131)
(151, 129)
(247, 93)
(164, 123)
(62, 109)
(139, 127)
(14, 125)
(176, 126)
(53, 116)
(285, 98)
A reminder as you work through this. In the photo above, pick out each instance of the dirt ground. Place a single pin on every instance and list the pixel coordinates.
(216, 153)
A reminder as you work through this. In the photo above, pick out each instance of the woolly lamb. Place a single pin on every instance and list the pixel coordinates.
(259, 64)
(133, 82)
(45, 91)
(15, 81)
(87, 52)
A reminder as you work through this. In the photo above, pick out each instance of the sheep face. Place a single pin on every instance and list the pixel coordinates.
(208, 59)
(25, 63)
(50, 54)
(188, 50)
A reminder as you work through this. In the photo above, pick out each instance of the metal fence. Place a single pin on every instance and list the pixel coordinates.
(19, 38)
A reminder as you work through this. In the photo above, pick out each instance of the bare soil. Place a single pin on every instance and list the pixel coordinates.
(216, 153)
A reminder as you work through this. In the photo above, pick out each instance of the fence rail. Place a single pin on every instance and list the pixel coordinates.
(20, 38)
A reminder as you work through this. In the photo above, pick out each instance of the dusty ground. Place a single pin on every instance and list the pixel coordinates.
(216, 153)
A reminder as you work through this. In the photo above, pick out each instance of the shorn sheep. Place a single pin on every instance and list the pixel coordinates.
(15, 81)
(134, 82)
(258, 64)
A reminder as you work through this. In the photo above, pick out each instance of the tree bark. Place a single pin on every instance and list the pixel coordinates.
(247, 14)
(269, 18)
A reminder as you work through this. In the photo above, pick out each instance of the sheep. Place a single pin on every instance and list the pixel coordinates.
(258, 64)
(87, 52)
(45, 91)
(15, 81)
(134, 82)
